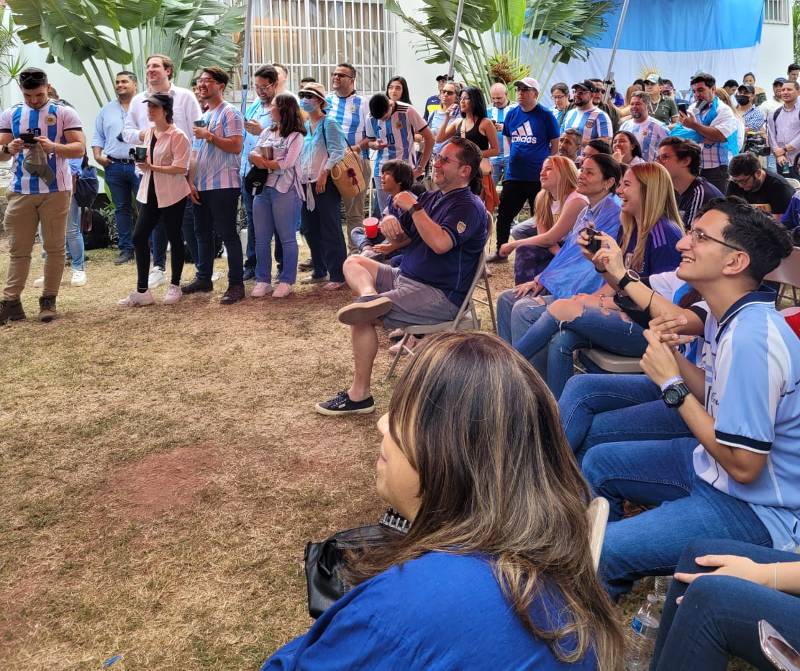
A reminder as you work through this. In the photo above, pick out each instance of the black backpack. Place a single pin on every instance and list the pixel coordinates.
(86, 184)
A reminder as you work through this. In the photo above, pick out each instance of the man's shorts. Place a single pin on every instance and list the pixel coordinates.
(413, 303)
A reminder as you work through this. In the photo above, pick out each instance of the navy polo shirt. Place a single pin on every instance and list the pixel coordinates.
(462, 214)
(529, 134)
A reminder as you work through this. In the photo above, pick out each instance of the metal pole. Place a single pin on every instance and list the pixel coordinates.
(248, 21)
(614, 48)
(456, 30)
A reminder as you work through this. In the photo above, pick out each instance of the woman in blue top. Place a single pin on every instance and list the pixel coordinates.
(495, 571)
(650, 228)
(323, 148)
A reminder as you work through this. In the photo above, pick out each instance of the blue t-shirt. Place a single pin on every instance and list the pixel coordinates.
(530, 134)
(569, 273)
(660, 253)
(752, 390)
(462, 214)
(791, 217)
(435, 613)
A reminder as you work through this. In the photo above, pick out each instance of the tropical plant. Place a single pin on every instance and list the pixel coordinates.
(92, 37)
(796, 29)
(499, 39)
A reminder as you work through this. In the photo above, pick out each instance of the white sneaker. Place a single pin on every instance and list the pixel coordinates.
(134, 299)
(156, 278)
(38, 282)
(216, 275)
(78, 278)
(282, 290)
(261, 289)
(173, 295)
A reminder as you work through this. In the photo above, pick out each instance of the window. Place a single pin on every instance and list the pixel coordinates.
(777, 11)
(312, 36)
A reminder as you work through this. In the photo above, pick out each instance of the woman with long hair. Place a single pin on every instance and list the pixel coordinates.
(495, 570)
(397, 90)
(649, 230)
(277, 208)
(161, 197)
(626, 148)
(555, 211)
(475, 125)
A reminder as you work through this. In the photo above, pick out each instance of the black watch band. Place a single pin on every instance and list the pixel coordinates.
(626, 279)
(675, 394)
(416, 207)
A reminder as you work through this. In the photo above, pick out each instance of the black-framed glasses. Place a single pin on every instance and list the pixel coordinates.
(701, 236)
(441, 158)
(341, 74)
(741, 181)
(265, 87)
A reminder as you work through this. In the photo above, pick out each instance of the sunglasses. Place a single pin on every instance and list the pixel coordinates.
(33, 77)
(307, 96)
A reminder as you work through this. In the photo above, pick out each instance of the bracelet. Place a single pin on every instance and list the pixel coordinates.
(650, 302)
(677, 379)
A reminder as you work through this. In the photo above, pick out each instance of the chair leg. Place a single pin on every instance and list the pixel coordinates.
(397, 356)
(490, 301)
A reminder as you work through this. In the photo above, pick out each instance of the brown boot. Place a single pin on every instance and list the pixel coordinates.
(47, 308)
(11, 311)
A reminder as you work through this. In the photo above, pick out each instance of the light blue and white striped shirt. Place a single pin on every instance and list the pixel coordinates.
(398, 132)
(752, 390)
(351, 114)
(218, 169)
(591, 125)
(649, 133)
(498, 115)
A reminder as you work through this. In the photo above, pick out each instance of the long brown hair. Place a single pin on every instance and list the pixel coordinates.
(658, 200)
(291, 118)
(497, 477)
(543, 205)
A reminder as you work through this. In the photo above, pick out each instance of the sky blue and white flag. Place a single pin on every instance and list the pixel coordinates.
(675, 39)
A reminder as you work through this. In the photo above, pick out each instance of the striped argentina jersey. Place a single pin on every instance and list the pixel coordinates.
(649, 133)
(498, 115)
(52, 121)
(398, 132)
(591, 125)
(218, 169)
(351, 114)
(751, 359)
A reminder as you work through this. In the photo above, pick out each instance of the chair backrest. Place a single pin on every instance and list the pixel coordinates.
(788, 272)
(465, 305)
(795, 183)
(597, 513)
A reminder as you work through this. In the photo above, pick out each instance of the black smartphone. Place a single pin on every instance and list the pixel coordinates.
(27, 138)
(594, 243)
(683, 108)
(200, 123)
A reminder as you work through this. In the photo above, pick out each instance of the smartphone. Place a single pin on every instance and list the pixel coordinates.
(777, 649)
(683, 108)
(200, 123)
(594, 243)
(28, 138)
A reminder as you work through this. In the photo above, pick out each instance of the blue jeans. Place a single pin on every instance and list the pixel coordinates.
(515, 316)
(216, 214)
(123, 182)
(597, 409)
(660, 473)
(247, 203)
(275, 211)
(593, 328)
(719, 615)
(74, 237)
(323, 230)
(499, 164)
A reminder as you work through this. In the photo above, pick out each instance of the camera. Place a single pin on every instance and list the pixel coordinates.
(755, 144)
(594, 243)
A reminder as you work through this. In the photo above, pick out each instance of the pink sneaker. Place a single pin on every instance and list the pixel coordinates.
(282, 290)
(137, 300)
(173, 295)
(261, 289)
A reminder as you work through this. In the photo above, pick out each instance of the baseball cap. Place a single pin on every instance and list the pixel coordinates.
(779, 80)
(586, 85)
(443, 78)
(528, 83)
(744, 88)
(160, 99)
(653, 79)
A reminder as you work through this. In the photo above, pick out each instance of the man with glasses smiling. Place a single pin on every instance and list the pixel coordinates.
(737, 476)
(350, 111)
(757, 186)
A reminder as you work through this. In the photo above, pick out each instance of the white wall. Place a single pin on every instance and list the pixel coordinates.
(775, 54)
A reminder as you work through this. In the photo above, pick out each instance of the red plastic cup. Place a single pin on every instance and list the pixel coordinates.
(371, 227)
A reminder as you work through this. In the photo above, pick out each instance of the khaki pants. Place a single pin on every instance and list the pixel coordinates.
(23, 215)
(354, 208)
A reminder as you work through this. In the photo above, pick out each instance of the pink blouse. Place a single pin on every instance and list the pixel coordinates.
(172, 148)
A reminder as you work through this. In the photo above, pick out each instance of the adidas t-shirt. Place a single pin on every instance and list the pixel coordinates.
(529, 134)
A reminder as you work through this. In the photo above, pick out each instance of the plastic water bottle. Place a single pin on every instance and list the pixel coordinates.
(642, 636)
(661, 587)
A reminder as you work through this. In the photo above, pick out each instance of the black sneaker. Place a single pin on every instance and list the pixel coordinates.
(197, 285)
(497, 258)
(305, 265)
(248, 274)
(124, 257)
(342, 405)
(11, 311)
(234, 294)
(365, 309)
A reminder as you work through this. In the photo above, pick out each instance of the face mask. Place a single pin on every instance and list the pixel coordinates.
(307, 105)
(742, 100)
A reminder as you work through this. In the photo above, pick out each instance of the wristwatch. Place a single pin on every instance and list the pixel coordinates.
(675, 394)
(416, 207)
(627, 278)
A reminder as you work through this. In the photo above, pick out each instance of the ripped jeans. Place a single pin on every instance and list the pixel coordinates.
(605, 329)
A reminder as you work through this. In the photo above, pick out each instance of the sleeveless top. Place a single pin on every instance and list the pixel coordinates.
(474, 134)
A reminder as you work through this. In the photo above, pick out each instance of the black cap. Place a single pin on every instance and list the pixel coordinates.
(585, 84)
(744, 88)
(160, 99)
(444, 78)
(32, 78)
(780, 80)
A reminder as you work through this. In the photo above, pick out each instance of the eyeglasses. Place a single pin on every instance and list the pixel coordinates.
(701, 236)
(205, 80)
(337, 75)
(265, 87)
(441, 158)
(741, 181)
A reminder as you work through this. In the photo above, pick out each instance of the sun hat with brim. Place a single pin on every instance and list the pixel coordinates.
(317, 90)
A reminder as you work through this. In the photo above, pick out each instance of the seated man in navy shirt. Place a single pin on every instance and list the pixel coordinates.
(446, 231)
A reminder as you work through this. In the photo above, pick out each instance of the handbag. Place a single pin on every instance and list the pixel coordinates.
(486, 164)
(347, 174)
(255, 179)
(324, 560)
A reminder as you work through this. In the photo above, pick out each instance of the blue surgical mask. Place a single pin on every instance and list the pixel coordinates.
(307, 105)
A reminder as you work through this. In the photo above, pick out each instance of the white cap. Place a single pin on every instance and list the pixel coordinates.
(528, 82)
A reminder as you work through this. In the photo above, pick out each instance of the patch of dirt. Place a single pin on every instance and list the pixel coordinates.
(161, 483)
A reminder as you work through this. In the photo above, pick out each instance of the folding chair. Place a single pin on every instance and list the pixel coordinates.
(787, 274)
(483, 284)
(606, 361)
(466, 319)
(597, 513)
